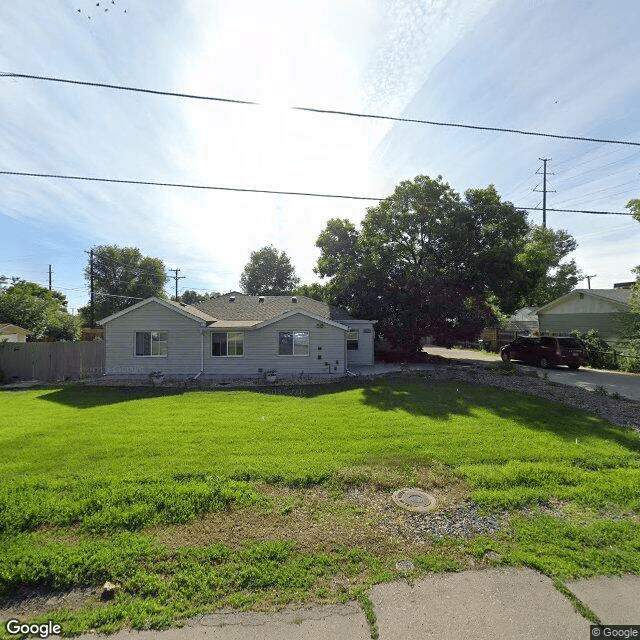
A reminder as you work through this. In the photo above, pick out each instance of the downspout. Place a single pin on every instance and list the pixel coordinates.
(201, 353)
(345, 354)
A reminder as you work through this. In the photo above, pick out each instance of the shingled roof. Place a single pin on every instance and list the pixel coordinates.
(618, 296)
(266, 307)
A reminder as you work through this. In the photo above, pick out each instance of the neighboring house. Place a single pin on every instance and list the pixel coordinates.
(236, 336)
(585, 309)
(13, 333)
(523, 320)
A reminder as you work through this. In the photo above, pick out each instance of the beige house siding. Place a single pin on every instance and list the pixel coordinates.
(12, 337)
(326, 345)
(183, 342)
(584, 310)
(580, 303)
(606, 324)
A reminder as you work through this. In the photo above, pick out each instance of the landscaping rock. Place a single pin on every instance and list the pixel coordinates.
(108, 591)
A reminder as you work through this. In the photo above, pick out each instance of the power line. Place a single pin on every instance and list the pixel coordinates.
(125, 88)
(185, 186)
(600, 213)
(269, 191)
(112, 295)
(351, 114)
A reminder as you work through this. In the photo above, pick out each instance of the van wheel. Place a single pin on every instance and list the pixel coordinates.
(505, 357)
(543, 363)
(575, 367)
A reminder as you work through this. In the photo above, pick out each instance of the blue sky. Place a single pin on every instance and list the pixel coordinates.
(562, 67)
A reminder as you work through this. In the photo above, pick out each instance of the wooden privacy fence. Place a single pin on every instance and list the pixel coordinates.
(51, 360)
(495, 338)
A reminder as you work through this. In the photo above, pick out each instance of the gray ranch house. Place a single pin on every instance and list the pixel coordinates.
(235, 336)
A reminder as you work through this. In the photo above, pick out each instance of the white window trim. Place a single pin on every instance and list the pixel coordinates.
(293, 355)
(135, 355)
(227, 356)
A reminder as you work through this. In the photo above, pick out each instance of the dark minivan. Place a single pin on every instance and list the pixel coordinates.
(547, 351)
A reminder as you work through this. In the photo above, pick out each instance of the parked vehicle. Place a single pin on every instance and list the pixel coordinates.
(547, 351)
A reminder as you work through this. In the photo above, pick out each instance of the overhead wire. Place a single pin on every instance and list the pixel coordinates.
(316, 110)
(235, 189)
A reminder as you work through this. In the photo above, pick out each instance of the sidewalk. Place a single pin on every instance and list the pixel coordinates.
(496, 604)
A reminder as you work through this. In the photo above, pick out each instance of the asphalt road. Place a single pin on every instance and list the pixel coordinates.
(626, 384)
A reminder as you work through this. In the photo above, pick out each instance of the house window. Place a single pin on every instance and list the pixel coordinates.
(352, 340)
(227, 343)
(151, 343)
(293, 343)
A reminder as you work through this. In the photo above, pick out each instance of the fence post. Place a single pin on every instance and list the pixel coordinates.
(615, 358)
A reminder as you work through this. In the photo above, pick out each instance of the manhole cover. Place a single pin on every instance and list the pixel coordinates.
(414, 500)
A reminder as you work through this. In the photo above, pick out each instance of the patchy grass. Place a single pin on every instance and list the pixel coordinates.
(193, 501)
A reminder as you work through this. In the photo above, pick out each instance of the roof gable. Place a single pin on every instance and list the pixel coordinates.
(288, 314)
(8, 328)
(618, 297)
(185, 310)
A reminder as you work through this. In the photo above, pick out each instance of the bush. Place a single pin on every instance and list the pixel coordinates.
(630, 361)
(601, 355)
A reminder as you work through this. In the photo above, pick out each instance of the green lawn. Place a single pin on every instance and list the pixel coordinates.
(87, 473)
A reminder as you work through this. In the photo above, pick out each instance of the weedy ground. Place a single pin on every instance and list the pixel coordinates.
(200, 501)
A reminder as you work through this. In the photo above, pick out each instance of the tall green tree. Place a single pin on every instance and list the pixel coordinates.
(192, 297)
(122, 276)
(428, 262)
(634, 207)
(315, 290)
(544, 271)
(37, 309)
(268, 273)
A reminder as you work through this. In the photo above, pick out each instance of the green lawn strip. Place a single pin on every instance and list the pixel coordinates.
(57, 433)
(112, 504)
(158, 587)
(89, 469)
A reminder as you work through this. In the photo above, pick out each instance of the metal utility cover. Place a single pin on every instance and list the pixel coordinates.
(414, 500)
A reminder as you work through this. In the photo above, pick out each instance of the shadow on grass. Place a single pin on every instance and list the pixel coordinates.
(436, 400)
(81, 397)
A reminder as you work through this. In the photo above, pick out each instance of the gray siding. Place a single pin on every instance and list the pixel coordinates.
(326, 345)
(364, 354)
(606, 324)
(183, 348)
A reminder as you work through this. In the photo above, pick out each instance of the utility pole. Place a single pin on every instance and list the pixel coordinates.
(93, 323)
(177, 277)
(49, 277)
(544, 191)
(589, 280)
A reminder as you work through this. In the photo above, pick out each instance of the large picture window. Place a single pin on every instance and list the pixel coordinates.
(293, 343)
(227, 343)
(151, 343)
(352, 340)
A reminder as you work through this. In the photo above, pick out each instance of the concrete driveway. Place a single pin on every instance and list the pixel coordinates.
(625, 384)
